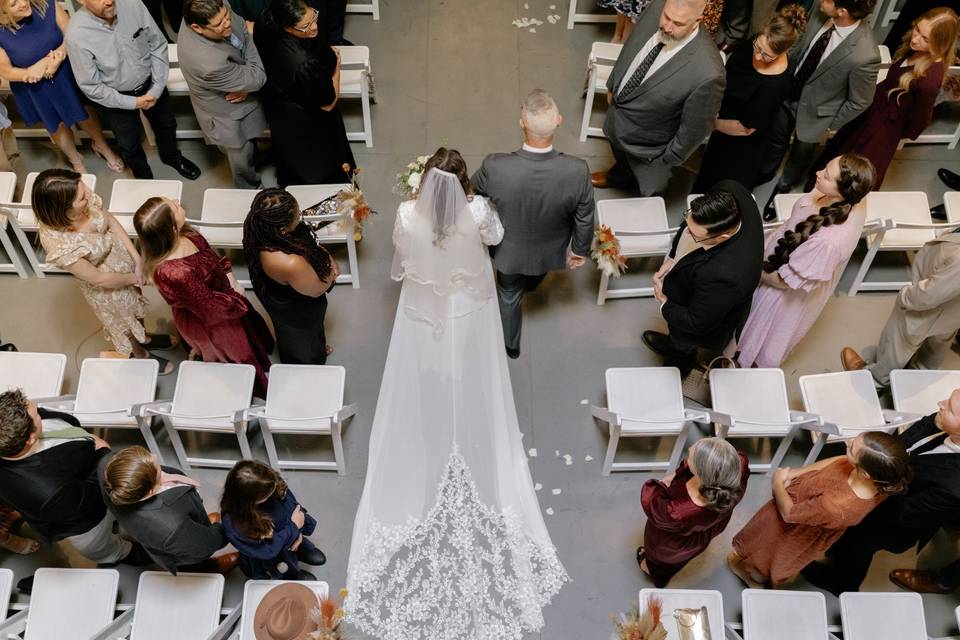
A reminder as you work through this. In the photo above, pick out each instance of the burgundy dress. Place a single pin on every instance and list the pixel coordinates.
(217, 322)
(679, 530)
(877, 132)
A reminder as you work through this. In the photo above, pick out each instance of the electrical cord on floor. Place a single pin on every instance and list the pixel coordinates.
(76, 354)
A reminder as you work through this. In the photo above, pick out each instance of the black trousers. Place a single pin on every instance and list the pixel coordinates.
(949, 576)
(801, 154)
(174, 9)
(128, 132)
(852, 554)
(332, 15)
(510, 290)
(620, 175)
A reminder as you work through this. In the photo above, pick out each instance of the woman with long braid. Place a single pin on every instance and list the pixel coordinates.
(805, 258)
(291, 275)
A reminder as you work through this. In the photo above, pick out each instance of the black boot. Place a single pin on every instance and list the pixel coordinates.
(769, 209)
(309, 554)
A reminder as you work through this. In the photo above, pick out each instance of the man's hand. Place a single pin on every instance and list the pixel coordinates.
(100, 443)
(574, 261)
(658, 294)
(236, 97)
(732, 127)
(609, 98)
(145, 102)
(298, 518)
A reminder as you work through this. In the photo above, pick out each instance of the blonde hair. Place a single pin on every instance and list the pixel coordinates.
(943, 38)
(7, 21)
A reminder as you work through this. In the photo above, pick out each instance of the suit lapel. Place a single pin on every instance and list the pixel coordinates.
(838, 54)
(671, 67)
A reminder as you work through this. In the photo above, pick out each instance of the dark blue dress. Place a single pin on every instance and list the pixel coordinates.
(52, 101)
(272, 559)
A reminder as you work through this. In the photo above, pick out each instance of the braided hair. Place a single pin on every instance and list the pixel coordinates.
(272, 211)
(854, 183)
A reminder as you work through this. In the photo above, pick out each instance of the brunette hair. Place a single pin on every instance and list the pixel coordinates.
(717, 464)
(884, 458)
(16, 425)
(783, 28)
(52, 197)
(944, 27)
(263, 230)
(451, 161)
(130, 476)
(7, 21)
(716, 211)
(856, 180)
(284, 13)
(201, 12)
(856, 9)
(157, 229)
(248, 484)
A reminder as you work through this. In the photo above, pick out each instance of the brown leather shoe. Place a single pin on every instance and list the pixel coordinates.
(214, 517)
(851, 360)
(599, 180)
(227, 562)
(919, 581)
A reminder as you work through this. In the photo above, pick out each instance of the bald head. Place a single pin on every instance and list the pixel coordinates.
(539, 118)
(679, 18)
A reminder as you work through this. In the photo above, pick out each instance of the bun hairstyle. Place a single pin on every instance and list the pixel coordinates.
(784, 28)
(130, 476)
(856, 180)
(884, 458)
(284, 13)
(717, 465)
(451, 161)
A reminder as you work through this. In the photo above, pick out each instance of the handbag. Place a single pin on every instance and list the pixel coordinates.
(696, 384)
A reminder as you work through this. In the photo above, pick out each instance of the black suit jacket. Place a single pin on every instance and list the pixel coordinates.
(932, 501)
(56, 490)
(709, 292)
(172, 526)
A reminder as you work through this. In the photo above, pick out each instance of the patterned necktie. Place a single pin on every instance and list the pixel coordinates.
(641, 71)
(811, 63)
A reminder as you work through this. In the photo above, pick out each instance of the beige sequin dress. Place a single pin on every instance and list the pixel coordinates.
(120, 310)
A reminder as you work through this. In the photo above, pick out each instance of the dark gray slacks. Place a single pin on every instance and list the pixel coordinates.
(510, 290)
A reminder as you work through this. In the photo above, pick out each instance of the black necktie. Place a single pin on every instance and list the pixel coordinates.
(811, 63)
(929, 445)
(641, 71)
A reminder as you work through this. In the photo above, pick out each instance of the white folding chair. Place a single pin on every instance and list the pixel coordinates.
(645, 401)
(372, 8)
(949, 137)
(222, 216)
(38, 375)
(127, 196)
(673, 599)
(210, 397)
(108, 394)
(918, 391)
(356, 82)
(8, 226)
(26, 197)
(603, 55)
(176, 86)
(752, 403)
(304, 400)
(884, 63)
(641, 226)
(784, 615)
(848, 400)
(336, 232)
(574, 16)
(6, 586)
(906, 227)
(66, 603)
(882, 616)
(253, 592)
(951, 204)
(182, 607)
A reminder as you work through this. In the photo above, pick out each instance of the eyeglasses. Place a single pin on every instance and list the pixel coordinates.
(313, 21)
(766, 57)
(692, 235)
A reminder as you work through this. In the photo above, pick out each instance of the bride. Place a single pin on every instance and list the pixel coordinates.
(448, 541)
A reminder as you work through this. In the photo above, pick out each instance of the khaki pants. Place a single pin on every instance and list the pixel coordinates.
(901, 348)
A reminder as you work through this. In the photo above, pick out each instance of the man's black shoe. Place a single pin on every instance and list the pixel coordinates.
(25, 585)
(186, 168)
(513, 354)
(658, 342)
(938, 212)
(949, 178)
(820, 576)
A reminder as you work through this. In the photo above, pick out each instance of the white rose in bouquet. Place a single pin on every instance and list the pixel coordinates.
(423, 159)
(414, 181)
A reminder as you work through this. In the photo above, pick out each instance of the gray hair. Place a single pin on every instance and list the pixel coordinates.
(696, 7)
(717, 463)
(539, 114)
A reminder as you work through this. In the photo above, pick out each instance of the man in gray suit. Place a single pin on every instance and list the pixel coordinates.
(664, 95)
(545, 202)
(836, 64)
(223, 70)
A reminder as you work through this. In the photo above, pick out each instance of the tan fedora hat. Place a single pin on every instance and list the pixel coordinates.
(285, 613)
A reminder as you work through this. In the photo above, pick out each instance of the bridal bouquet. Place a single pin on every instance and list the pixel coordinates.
(351, 202)
(634, 626)
(408, 180)
(605, 250)
(328, 617)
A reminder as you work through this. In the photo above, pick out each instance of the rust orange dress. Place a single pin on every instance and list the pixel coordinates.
(824, 505)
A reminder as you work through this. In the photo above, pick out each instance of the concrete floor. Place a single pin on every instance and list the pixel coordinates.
(452, 72)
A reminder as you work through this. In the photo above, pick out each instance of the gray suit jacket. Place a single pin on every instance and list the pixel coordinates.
(663, 121)
(214, 68)
(843, 85)
(545, 202)
(932, 299)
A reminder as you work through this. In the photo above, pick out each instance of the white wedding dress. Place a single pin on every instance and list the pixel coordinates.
(448, 542)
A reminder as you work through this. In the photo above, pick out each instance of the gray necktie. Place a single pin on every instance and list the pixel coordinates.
(641, 71)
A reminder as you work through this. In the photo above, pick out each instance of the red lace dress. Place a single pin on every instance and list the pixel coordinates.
(217, 322)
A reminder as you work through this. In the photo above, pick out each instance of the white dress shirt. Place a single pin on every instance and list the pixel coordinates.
(947, 446)
(527, 147)
(670, 49)
(838, 36)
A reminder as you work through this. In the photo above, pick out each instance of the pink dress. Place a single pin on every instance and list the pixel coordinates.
(779, 318)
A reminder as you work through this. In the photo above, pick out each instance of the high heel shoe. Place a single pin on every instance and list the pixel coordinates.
(117, 166)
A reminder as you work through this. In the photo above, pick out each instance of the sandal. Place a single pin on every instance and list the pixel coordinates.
(166, 367)
(116, 166)
(19, 544)
(161, 342)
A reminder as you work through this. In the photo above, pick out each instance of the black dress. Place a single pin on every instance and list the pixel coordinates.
(310, 145)
(752, 98)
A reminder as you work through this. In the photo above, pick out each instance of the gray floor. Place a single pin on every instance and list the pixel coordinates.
(452, 72)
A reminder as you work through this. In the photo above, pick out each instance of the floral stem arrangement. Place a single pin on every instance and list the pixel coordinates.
(328, 617)
(637, 626)
(605, 250)
(408, 180)
(352, 204)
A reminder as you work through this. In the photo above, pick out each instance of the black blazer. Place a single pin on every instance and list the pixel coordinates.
(172, 526)
(56, 490)
(709, 292)
(932, 501)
